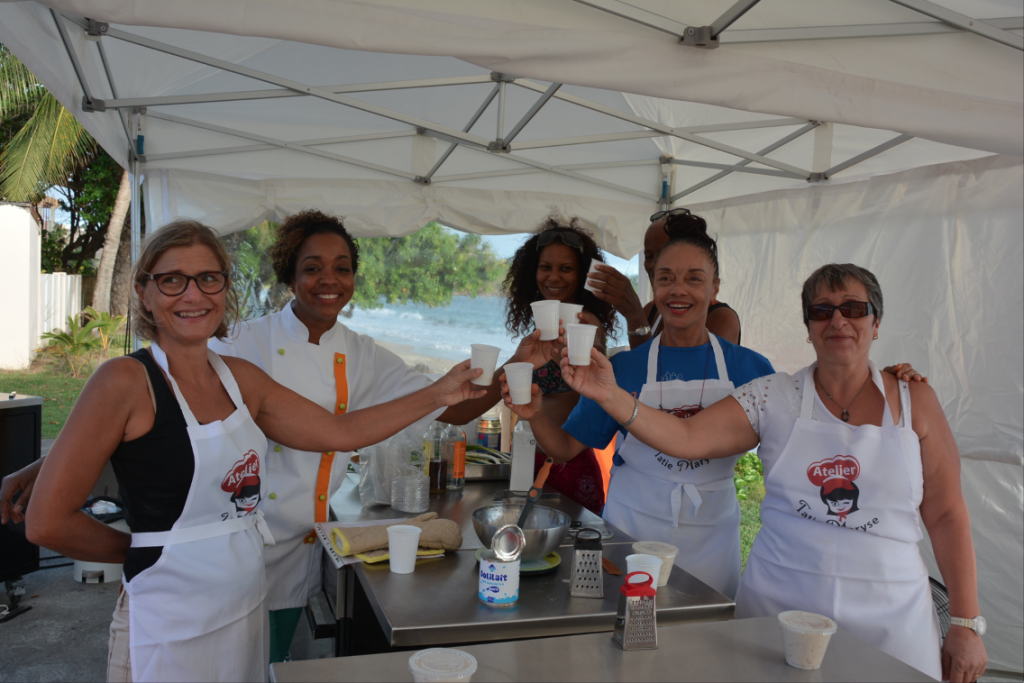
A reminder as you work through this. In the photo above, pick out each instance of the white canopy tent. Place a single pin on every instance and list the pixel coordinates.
(863, 130)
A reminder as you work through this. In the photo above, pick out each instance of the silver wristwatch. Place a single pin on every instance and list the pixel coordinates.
(977, 624)
(639, 332)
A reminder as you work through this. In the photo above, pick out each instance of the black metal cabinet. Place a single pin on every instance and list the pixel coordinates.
(21, 424)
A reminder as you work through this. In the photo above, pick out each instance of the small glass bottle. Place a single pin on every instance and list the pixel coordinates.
(455, 450)
(433, 452)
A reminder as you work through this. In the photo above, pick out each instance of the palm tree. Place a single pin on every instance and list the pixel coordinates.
(42, 145)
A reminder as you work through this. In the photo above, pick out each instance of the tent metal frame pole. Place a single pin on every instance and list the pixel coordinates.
(638, 16)
(136, 221)
(76, 64)
(241, 95)
(613, 137)
(293, 85)
(113, 88)
(917, 28)
(283, 145)
(468, 127)
(964, 23)
(241, 149)
(730, 16)
(767, 150)
(863, 156)
(737, 168)
(501, 114)
(541, 101)
(667, 130)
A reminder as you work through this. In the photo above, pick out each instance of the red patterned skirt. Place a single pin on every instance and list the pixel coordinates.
(579, 479)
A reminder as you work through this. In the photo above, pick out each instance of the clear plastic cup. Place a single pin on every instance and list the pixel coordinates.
(567, 312)
(593, 269)
(403, 540)
(442, 664)
(580, 339)
(666, 552)
(545, 318)
(486, 357)
(520, 381)
(644, 563)
(805, 637)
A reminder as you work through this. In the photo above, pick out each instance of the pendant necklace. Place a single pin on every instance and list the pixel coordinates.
(845, 416)
(661, 384)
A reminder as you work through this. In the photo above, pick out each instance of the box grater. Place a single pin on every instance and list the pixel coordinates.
(635, 625)
(587, 580)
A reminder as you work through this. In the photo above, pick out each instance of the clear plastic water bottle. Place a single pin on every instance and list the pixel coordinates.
(455, 451)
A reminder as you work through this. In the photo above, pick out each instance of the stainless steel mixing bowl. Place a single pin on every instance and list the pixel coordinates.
(545, 529)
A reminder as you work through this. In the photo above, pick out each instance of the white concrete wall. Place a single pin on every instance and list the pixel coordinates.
(19, 287)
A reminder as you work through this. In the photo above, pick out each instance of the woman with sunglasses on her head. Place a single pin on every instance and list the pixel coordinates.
(552, 265)
(681, 371)
(855, 460)
(186, 432)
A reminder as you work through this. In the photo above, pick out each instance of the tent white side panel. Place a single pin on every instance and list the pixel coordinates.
(946, 245)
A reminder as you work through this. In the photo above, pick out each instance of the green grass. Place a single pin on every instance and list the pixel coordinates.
(750, 520)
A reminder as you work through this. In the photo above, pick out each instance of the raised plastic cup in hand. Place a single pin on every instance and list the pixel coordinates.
(567, 312)
(442, 664)
(403, 541)
(805, 637)
(644, 563)
(486, 357)
(545, 319)
(666, 552)
(519, 377)
(593, 269)
(580, 339)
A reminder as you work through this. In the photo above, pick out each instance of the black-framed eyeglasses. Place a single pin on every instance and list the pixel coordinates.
(570, 239)
(671, 212)
(850, 309)
(175, 284)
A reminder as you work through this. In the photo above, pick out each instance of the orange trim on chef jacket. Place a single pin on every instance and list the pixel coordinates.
(323, 477)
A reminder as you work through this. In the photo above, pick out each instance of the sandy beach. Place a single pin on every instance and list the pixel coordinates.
(419, 362)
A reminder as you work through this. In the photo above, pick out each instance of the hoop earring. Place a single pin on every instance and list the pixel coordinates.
(809, 340)
(876, 335)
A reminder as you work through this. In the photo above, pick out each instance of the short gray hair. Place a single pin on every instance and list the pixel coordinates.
(834, 276)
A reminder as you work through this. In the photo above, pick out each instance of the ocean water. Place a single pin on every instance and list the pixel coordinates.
(442, 332)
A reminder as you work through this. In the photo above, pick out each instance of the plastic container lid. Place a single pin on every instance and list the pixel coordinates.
(442, 664)
(807, 622)
(655, 548)
(508, 543)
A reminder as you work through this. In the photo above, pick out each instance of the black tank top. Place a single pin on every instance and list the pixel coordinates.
(155, 470)
(653, 315)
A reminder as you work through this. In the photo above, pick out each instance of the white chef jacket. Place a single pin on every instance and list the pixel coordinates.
(346, 371)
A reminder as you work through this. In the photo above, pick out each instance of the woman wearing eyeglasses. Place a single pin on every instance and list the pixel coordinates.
(186, 432)
(644, 321)
(854, 460)
(552, 265)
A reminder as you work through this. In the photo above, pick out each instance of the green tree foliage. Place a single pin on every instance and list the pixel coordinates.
(427, 267)
(87, 195)
(252, 273)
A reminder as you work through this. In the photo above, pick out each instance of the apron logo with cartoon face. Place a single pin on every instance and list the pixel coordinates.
(683, 412)
(243, 483)
(835, 477)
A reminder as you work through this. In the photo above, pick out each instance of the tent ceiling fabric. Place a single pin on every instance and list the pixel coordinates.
(260, 108)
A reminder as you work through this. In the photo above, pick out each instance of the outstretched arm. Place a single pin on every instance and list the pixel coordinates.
(718, 431)
(554, 441)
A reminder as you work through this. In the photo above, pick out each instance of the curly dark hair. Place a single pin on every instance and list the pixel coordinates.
(689, 229)
(290, 235)
(521, 282)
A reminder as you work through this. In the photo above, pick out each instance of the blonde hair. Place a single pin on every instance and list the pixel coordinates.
(183, 232)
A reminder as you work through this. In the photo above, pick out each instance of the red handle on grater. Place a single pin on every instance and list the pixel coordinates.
(643, 589)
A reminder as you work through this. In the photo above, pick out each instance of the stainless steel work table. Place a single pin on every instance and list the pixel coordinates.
(438, 605)
(737, 650)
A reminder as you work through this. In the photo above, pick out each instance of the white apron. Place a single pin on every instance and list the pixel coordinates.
(198, 614)
(690, 504)
(840, 532)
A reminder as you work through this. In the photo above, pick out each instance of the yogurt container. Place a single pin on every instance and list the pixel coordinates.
(499, 581)
(667, 553)
(805, 637)
(442, 664)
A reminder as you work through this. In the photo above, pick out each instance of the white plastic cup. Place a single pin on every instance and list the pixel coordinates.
(520, 382)
(567, 312)
(442, 664)
(805, 637)
(593, 269)
(644, 563)
(580, 339)
(403, 541)
(486, 357)
(545, 318)
(666, 552)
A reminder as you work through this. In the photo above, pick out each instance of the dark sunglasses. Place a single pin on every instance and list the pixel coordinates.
(570, 239)
(851, 309)
(175, 284)
(671, 212)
